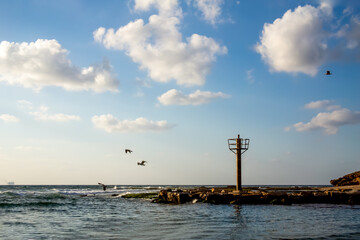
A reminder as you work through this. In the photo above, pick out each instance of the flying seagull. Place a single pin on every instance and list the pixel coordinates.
(128, 151)
(328, 72)
(103, 185)
(142, 163)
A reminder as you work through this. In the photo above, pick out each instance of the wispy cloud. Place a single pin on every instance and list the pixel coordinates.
(352, 33)
(165, 7)
(210, 9)
(24, 104)
(43, 115)
(175, 97)
(45, 63)
(8, 118)
(111, 124)
(322, 104)
(250, 75)
(26, 148)
(157, 46)
(329, 122)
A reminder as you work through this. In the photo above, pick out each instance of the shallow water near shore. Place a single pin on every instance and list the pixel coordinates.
(62, 212)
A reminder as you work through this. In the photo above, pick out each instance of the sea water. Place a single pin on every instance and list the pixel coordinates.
(88, 212)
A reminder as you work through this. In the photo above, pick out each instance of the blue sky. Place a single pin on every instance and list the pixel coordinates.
(80, 81)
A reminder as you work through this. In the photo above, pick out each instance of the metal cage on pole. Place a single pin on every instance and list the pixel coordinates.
(238, 146)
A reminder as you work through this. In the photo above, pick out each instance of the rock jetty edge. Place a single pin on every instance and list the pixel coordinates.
(280, 196)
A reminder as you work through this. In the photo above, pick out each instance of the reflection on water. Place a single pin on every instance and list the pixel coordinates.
(59, 212)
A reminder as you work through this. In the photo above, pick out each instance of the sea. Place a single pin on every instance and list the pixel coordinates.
(88, 212)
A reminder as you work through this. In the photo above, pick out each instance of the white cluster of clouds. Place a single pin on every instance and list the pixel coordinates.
(175, 97)
(106, 122)
(330, 121)
(8, 118)
(45, 63)
(298, 42)
(210, 9)
(157, 46)
(111, 124)
(165, 7)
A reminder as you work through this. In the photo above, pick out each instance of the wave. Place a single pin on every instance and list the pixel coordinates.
(30, 204)
(52, 195)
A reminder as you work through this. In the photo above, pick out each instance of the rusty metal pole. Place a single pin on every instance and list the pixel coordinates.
(238, 164)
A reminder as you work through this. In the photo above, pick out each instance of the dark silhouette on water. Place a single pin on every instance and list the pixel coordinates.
(128, 151)
(142, 163)
(103, 185)
(328, 72)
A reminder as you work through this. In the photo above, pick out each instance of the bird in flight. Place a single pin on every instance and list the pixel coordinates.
(328, 72)
(142, 163)
(128, 151)
(103, 185)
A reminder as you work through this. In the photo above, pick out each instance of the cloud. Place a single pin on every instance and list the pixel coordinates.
(8, 118)
(304, 39)
(175, 97)
(110, 124)
(353, 33)
(142, 82)
(42, 115)
(250, 76)
(318, 104)
(157, 46)
(26, 148)
(297, 42)
(210, 9)
(287, 129)
(329, 122)
(322, 104)
(24, 104)
(45, 63)
(165, 7)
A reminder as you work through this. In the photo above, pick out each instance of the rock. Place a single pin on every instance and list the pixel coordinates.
(178, 197)
(182, 198)
(163, 196)
(349, 179)
(215, 198)
(202, 189)
(333, 195)
(354, 199)
(171, 197)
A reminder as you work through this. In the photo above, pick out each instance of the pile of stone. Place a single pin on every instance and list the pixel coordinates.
(347, 180)
(256, 197)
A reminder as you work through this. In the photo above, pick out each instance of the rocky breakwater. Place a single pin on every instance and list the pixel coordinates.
(347, 180)
(257, 196)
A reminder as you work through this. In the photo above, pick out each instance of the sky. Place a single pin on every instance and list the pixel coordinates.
(81, 81)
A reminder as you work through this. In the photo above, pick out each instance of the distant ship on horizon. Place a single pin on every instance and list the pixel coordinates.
(11, 183)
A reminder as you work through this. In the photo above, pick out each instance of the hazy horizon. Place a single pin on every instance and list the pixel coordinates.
(81, 81)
